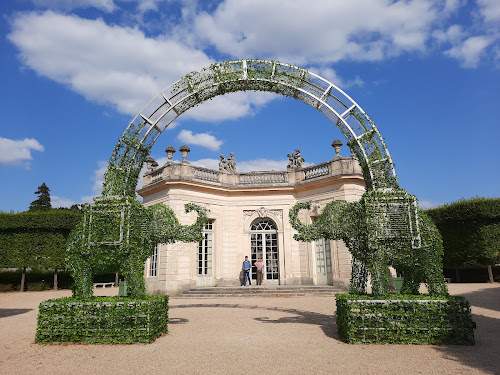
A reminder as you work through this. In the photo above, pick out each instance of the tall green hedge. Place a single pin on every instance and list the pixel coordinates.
(471, 232)
(35, 238)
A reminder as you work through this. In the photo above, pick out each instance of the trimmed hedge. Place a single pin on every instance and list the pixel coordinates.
(35, 239)
(52, 219)
(102, 320)
(470, 230)
(404, 319)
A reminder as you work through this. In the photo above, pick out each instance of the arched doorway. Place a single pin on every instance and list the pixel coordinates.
(264, 245)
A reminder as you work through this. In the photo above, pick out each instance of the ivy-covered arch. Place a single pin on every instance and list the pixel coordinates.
(362, 135)
(390, 228)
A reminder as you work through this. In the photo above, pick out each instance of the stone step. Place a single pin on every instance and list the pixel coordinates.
(305, 292)
(264, 291)
(255, 295)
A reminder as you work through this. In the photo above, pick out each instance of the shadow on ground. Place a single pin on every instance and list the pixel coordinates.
(488, 298)
(178, 321)
(484, 355)
(325, 322)
(10, 312)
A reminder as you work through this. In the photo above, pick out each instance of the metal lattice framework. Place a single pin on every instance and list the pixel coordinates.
(385, 228)
(363, 137)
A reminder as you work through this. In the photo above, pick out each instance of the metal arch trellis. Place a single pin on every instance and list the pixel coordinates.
(389, 216)
(240, 75)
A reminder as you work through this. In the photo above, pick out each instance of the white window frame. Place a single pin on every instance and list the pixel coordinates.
(153, 263)
(205, 253)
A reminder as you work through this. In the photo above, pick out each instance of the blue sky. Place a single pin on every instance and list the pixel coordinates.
(74, 73)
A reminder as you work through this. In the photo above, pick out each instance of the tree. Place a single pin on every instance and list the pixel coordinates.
(43, 201)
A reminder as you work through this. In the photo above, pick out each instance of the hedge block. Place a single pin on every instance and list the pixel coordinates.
(102, 320)
(404, 319)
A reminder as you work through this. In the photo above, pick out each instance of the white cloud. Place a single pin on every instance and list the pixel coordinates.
(323, 31)
(201, 139)
(262, 165)
(147, 5)
(230, 106)
(470, 50)
(425, 204)
(490, 10)
(454, 34)
(332, 76)
(18, 153)
(57, 201)
(112, 65)
(464, 48)
(207, 163)
(104, 5)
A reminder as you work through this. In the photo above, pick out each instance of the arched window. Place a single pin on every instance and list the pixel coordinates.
(263, 224)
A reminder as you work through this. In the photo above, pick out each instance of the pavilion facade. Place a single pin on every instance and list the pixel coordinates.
(248, 216)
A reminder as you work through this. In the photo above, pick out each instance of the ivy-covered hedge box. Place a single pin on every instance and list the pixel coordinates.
(102, 320)
(402, 319)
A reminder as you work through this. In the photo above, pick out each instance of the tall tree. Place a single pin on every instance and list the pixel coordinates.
(43, 201)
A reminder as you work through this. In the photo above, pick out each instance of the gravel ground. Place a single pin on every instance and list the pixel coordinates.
(294, 335)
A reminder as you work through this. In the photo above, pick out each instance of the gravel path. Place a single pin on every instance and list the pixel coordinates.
(294, 335)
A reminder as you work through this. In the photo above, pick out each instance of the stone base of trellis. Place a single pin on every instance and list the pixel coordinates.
(405, 320)
(102, 320)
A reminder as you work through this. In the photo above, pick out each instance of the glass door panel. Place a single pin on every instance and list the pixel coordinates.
(264, 245)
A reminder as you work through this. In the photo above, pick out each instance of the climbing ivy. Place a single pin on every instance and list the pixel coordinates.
(119, 232)
(102, 320)
(385, 228)
(405, 319)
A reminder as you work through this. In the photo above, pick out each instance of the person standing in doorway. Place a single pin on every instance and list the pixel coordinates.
(246, 267)
(258, 265)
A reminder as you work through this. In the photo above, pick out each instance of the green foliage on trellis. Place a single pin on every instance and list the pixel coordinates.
(470, 230)
(118, 232)
(375, 164)
(404, 319)
(35, 238)
(126, 162)
(383, 229)
(248, 75)
(102, 320)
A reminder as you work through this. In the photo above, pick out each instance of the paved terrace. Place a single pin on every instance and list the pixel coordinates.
(281, 335)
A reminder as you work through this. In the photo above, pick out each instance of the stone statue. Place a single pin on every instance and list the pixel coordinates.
(295, 160)
(222, 164)
(298, 160)
(231, 163)
(227, 165)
